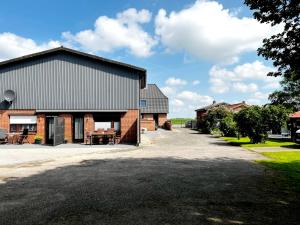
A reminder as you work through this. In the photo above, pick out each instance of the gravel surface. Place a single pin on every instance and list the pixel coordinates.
(178, 177)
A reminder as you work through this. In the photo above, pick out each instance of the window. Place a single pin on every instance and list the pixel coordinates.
(117, 126)
(143, 103)
(20, 127)
(104, 125)
(19, 123)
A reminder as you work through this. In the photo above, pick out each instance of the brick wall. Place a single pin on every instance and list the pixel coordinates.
(200, 114)
(41, 127)
(4, 120)
(68, 127)
(89, 125)
(148, 116)
(162, 118)
(129, 126)
(148, 124)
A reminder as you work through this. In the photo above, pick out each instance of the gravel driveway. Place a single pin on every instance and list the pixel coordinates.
(178, 177)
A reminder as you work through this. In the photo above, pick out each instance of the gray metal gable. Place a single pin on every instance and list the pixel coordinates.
(66, 82)
(156, 101)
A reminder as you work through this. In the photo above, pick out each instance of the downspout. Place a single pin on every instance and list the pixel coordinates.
(139, 115)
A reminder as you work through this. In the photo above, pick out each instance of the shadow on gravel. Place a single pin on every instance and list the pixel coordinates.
(149, 191)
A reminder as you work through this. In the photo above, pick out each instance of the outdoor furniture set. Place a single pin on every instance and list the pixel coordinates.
(102, 136)
(13, 138)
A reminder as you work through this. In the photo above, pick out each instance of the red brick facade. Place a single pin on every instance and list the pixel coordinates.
(68, 118)
(89, 125)
(128, 121)
(129, 126)
(162, 118)
(4, 120)
(149, 124)
(148, 121)
(41, 126)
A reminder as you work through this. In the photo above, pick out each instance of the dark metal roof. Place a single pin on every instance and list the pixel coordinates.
(156, 101)
(152, 91)
(141, 71)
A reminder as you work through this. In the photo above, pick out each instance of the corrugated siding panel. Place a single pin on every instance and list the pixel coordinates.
(66, 82)
(152, 91)
(156, 105)
(157, 102)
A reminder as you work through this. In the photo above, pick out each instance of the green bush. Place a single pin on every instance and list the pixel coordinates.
(251, 122)
(228, 126)
(256, 121)
(211, 122)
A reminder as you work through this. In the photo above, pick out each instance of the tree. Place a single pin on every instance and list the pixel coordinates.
(213, 118)
(251, 123)
(289, 96)
(283, 48)
(228, 126)
(276, 117)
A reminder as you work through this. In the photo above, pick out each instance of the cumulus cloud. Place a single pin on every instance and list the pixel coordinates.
(196, 82)
(12, 45)
(258, 98)
(172, 81)
(242, 78)
(176, 102)
(168, 91)
(244, 88)
(183, 102)
(124, 31)
(194, 97)
(208, 31)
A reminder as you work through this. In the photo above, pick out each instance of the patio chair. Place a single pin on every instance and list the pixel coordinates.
(111, 135)
(23, 137)
(3, 136)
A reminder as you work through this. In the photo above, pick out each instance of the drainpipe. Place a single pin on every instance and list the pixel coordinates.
(139, 115)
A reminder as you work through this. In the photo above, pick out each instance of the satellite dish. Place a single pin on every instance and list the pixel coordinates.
(9, 96)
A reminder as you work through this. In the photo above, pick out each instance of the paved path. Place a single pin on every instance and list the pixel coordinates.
(181, 178)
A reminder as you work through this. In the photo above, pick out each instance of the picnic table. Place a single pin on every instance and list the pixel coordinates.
(111, 136)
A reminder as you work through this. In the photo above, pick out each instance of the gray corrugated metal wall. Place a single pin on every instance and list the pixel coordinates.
(66, 82)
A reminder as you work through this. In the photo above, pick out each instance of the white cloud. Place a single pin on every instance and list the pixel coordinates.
(184, 103)
(124, 31)
(258, 98)
(168, 91)
(172, 81)
(194, 97)
(12, 45)
(177, 103)
(208, 31)
(242, 78)
(196, 82)
(244, 88)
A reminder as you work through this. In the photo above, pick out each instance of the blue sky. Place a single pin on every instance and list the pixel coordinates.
(196, 51)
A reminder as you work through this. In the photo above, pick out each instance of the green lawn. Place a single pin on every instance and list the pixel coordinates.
(180, 120)
(245, 142)
(288, 163)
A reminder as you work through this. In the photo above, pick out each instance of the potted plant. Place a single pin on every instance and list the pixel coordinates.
(38, 139)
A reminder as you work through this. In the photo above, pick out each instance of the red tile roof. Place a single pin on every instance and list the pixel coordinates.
(295, 115)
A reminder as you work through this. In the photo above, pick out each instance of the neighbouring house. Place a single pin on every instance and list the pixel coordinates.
(84, 91)
(295, 123)
(200, 113)
(154, 106)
